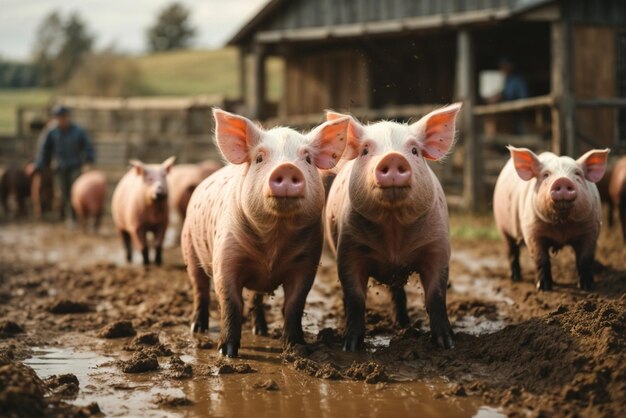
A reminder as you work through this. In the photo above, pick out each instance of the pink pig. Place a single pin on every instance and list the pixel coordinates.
(548, 202)
(139, 206)
(88, 197)
(386, 217)
(257, 223)
(182, 181)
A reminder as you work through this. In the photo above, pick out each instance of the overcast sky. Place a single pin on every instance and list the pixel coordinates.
(123, 22)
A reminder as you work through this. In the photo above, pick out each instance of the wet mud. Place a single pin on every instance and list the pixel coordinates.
(82, 334)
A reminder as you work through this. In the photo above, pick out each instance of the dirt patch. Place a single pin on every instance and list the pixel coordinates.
(65, 385)
(66, 306)
(178, 369)
(140, 362)
(119, 329)
(173, 401)
(9, 329)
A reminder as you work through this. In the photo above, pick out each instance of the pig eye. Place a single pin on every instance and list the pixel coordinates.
(365, 151)
(414, 151)
(308, 159)
(259, 159)
(546, 175)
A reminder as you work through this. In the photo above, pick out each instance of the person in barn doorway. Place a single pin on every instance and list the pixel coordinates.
(69, 145)
(514, 88)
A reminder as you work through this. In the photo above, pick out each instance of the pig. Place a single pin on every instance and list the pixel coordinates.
(41, 189)
(617, 193)
(386, 217)
(139, 206)
(257, 223)
(14, 183)
(183, 180)
(88, 197)
(547, 202)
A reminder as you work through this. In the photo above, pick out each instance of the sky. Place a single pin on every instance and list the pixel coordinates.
(120, 22)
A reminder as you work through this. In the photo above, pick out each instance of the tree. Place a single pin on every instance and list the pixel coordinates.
(60, 46)
(172, 30)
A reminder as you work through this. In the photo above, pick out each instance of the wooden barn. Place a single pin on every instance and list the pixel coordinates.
(398, 59)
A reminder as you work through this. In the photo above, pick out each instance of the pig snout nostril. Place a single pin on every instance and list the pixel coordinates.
(401, 169)
(295, 180)
(385, 170)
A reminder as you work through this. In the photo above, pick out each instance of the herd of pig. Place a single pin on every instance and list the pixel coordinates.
(260, 222)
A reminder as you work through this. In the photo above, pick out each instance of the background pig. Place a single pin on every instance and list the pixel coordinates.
(41, 189)
(548, 202)
(617, 193)
(257, 223)
(14, 185)
(139, 206)
(387, 217)
(182, 181)
(88, 197)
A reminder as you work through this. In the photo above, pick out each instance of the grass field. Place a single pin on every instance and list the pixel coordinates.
(11, 98)
(179, 73)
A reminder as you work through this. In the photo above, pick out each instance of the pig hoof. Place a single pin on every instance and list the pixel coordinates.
(352, 343)
(444, 340)
(544, 286)
(585, 285)
(229, 350)
(260, 330)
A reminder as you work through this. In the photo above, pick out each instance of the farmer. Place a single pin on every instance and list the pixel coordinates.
(69, 144)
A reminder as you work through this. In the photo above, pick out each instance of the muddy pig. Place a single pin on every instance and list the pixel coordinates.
(387, 217)
(14, 184)
(617, 193)
(257, 223)
(139, 206)
(547, 202)
(183, 180)
(88, 197)
(41, 189)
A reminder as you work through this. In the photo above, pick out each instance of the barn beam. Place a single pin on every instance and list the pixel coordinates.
(257, 82)
(563, 129)
(465, 80)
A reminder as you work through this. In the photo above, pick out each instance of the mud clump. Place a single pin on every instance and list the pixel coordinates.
(173, 401)
(147, 338)
(21, 391)
(119, 329)
(269, 385)
(221, 367)
(65, 385)
(149, 343)
(10, 329)
(204, 343)
(66, 306)
(178, 369)
(370, 372)
(140, 362)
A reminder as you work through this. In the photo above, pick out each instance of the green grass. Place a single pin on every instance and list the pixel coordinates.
(470, 228)
(10, 99)
(197, 72)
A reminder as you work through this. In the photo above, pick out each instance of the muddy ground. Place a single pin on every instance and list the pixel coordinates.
(83, 334)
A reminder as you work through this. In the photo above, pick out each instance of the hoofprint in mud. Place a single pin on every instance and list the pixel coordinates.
(524, 352)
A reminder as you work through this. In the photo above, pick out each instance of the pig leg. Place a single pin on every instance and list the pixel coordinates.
(585, 256)
(296, 291)
(201, 283)
(260, 323)
(435, 281)
(128, 245)
(353, 278)
(541, 255)
(159, 235)
(514, 250)
(97, 220)
(231, 313)
(398, 295)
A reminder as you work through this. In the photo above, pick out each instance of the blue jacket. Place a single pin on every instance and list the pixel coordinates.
(70, 148)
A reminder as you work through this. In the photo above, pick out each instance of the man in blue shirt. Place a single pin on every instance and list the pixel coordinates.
(70, 146)
(514, 83)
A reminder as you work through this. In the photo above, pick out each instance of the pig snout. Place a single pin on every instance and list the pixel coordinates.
(393, 170)
(160, 193)
(563, 190)
(286, 180)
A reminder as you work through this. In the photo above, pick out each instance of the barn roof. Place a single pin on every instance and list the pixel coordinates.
(274, 17)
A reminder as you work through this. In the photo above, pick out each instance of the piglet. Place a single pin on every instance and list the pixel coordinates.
(387, 217)
(617, 193)
(139, 206)
(88, 197)
(548, 202)
(257, 223)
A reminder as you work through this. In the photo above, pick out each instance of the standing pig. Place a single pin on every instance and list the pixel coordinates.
(88, 197)
(139, 206)
(183, 180)
(617, 193)
(386, 217)
(41, 189)
(257, 223)
(14, 183)
(548, 202)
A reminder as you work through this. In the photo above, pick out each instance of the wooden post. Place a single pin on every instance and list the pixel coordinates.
(257, 105)
(242, 73)
(563, 130)
(472, 173)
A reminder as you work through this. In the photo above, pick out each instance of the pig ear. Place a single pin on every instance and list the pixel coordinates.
(354, 134)
(526, 162)
(328, 141)
(167, 164)
(138, 166)
(594, 164)
(235, 135)
(436, 131)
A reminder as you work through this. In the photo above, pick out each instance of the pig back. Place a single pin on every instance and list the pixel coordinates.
(89, 193)
(509, 198)
(128, 202)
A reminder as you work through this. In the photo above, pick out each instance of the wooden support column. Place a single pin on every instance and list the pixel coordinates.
(563, 130)
(465, 80)
(258, 82)
(242, 73)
